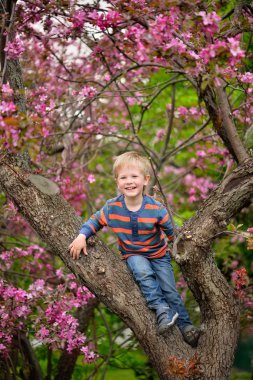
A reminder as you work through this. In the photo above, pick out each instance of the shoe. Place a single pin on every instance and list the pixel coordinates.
(166, 319)
(191, 335)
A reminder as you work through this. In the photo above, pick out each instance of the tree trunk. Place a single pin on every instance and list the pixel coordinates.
(106, 275)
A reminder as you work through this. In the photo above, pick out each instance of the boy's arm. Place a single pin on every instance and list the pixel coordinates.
(165, 223)
(93, 225)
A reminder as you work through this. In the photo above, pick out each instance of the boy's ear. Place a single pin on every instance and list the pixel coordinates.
(147, 178)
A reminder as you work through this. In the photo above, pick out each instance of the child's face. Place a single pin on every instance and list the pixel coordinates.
(131, 181)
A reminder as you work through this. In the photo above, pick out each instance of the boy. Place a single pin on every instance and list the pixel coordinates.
(140, 223)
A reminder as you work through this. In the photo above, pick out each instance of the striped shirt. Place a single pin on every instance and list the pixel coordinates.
(139, 232)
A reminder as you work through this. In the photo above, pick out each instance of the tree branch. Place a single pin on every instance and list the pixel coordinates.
(229, 126)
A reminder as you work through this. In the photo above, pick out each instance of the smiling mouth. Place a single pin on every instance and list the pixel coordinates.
(130, 188)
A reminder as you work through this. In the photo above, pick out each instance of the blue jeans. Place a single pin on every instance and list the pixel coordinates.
(156, 280)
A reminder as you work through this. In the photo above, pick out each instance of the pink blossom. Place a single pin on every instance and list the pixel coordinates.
(6, 89)
(72, 285)
(21, 311)
(111, 19)
(240, 278)
(59, 273)
(234, 264)
(7, 107)
(43, 333)
(250, 229)
(45, 132)
(160, 134)
(91, 178)
(131, 100)
(200, 153)
(210, 22)
(88, 92)
(14, 48)
(246, 77)
(103, 119)
(78, 19)
(209, 18)
(212, 50)
(192, 54)
(234, 46)
(177, 44)
(182, 111)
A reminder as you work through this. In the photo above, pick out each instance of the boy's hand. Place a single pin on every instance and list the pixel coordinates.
(77, 246)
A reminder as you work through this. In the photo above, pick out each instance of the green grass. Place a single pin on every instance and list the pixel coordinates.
(239, 375)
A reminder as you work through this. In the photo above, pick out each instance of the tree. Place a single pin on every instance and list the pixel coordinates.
(190, 46)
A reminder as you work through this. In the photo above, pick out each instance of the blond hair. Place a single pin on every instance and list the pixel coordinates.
(132, 159)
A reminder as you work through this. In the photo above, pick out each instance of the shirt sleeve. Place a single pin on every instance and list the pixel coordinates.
(96, 222)
(165, 223)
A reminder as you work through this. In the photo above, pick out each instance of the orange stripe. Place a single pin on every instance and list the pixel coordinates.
(124, 257)
(152, 207)
(164, 219)
(124, 230)
(92, 227)
(124, 247)
(147, 242)
(119, 204)
(156, 254)
(144, 249)
(147, 220)
(102, 219)
(146, 232)
(119, 217)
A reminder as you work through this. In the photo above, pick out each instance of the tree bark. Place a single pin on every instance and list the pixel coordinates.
(35, 372)
(107, 277)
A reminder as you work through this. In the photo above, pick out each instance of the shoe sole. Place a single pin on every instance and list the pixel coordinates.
(173, 320)
(171, 323)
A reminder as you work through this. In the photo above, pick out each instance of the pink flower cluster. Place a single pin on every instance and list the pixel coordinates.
(246, 77)
(198, 187)
(78, 19)
(75, 193)
(110, 19)
(9, 123)
(14, 310)
(212, 51)
(14, 48)
(210, 21)
(54, 325)
(240, 278)
(88, 92)
(91, 178)
(191, 112)
(7, 107)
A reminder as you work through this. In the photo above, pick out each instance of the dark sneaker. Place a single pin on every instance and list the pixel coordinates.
(191, 335)
(166, 319)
